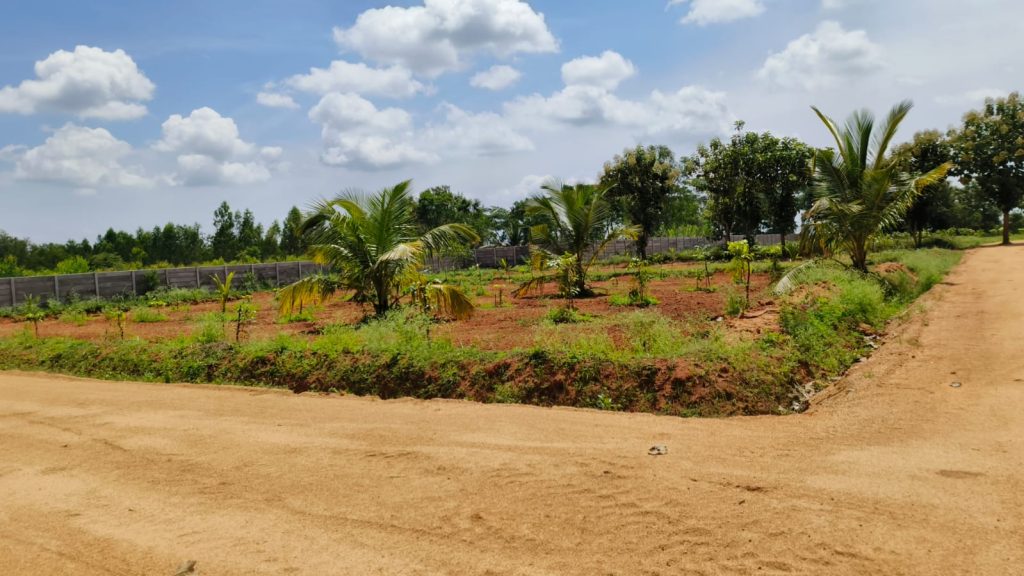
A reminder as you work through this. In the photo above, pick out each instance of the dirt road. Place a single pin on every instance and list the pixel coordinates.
(896, 472)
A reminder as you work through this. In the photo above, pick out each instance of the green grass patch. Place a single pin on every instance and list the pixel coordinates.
(146, 315)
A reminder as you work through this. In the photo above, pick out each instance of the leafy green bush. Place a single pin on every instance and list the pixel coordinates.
(566, 315)
(735, 303)
(73, 265)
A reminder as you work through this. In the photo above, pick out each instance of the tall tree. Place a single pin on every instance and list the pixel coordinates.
(860, 190)
(970, 208)
(931, 208)
(778, 170)
(753, 181)
(271, 243)
(642, 181)
(439, 205)
(724, 172)
(292, 243)
(224, 242)
(989, 149)
(250, 234)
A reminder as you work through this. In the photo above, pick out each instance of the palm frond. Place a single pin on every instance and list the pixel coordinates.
(534, 284)
(885, 136)
(311, 290)
(408, 252)
(450, 300)
(447, 237)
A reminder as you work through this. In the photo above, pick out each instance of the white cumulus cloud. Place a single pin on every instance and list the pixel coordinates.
(823, 58)
(704, 12)
(358, 78)
(87, 82)
(588, 99)
(496, 78)
(357, 134)
(441, 35)
(606, 71)
(276, 100)
(81, 157)
(210, 151)
(467, 134)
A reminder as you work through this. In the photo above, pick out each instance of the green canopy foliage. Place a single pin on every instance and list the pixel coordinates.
(989, 150)
(642, 181)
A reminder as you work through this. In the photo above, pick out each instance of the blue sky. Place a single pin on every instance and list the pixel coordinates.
(127, 114)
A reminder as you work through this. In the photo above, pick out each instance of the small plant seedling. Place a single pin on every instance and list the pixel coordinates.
(605, 402)
(499, 295)
(639, 295)
(33, 313)
(703, 255)
(566, 274)
(742, 258)
(117, 316)
(223, 290)
(504, 267)
(245, 313)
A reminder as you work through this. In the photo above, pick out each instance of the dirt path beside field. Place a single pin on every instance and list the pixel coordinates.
(895, 472)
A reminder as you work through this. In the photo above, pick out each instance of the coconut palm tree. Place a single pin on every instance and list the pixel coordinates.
(372, 246)
(577, 220)
(859, 188)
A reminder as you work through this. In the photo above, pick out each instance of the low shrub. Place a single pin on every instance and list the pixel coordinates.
(146, 315)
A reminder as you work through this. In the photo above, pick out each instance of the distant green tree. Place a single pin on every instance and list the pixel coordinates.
(12, 246)
(292, 242)
(515, 229)
(439, 205)
(752, 182)
(106, 261)
(718, 171)
(250, 234)
(970, 208)
(989, 149)
(778, 173)
(224, 242)
(683, 215)
(115, 242)
(9, 266)
(73, 265)
(933, 206)
(642, 180)
(270, 246)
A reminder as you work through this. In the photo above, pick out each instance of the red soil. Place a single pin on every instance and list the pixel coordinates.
(511, 325)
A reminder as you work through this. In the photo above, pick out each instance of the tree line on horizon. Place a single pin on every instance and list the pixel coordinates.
(746, 184)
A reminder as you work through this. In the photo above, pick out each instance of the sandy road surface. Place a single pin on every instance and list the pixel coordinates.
(895, 473)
